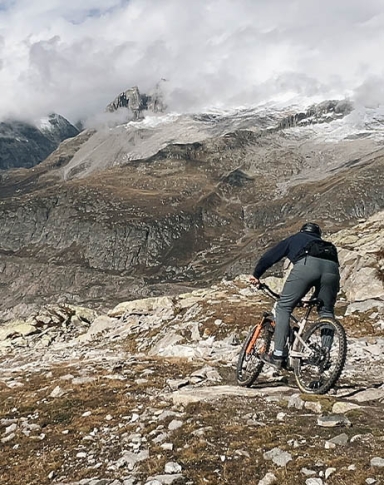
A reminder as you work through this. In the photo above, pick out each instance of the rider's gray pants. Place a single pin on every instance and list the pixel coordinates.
(308, 272)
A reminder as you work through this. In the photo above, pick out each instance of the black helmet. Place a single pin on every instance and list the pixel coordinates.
(311, 227)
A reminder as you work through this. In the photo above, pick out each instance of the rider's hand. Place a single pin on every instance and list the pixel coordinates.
(254, 281)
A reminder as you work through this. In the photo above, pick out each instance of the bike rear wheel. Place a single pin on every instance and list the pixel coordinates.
(324, 356)
(249, 365)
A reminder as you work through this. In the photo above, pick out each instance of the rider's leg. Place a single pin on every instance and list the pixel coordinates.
(327, 290)
(298, 283)
(328, 287)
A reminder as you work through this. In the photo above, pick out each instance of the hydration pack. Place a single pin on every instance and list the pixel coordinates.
(319, 249)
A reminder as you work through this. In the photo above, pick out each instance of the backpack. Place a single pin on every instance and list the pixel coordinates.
(319, 249)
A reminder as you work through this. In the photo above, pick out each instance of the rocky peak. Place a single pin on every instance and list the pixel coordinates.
(318, 113)
(138, 102)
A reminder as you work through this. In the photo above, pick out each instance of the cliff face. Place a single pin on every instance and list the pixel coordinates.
(26, 145)
(186, 215)
(137, 103)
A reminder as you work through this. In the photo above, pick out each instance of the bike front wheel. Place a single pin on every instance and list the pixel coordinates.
(249, 364)
(323, 356)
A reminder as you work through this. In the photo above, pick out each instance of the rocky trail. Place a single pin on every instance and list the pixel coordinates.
(146, 394)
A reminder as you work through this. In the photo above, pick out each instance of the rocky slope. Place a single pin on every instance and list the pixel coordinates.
(145, 394)
(25, 145)
(151, 207)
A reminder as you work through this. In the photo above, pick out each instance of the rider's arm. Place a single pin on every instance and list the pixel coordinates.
(271, 257)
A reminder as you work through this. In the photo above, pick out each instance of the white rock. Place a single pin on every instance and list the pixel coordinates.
(167, 446)
(172, 467)
(57, 392)
(11, 428)
(8, 438)
(269, 479)
(343, 407)
(329, 445)
(278, 456)
(175, 424)
(377, 461)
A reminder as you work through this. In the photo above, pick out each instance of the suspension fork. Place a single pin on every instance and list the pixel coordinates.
(255, 335)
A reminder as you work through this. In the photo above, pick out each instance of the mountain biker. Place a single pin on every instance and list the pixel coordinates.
(308, 271)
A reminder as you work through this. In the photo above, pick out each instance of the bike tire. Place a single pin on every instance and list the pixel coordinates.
(249, 365)
(319, 371)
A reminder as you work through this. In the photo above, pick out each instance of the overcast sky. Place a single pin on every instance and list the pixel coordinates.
(75, 56)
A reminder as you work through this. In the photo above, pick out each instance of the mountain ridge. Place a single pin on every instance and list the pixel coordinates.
(25, 144)
(184, 215)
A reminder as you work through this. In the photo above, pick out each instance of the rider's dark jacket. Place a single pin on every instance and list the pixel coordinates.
(289, 248)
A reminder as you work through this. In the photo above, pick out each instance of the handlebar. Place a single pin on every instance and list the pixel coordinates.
(302, 303)
(264, 287)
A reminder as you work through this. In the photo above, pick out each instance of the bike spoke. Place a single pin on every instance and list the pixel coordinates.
(324, 358)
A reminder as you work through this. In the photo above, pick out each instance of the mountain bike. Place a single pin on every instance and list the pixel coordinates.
(316, 350)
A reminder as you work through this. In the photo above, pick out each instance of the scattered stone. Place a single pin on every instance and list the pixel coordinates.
(164, 479)
(313, 406)
(175, 384)
(130, 459)
(142, 307)
(57, 392)
(269, 479)
(329, 445)
(368, 395)
(8, 438)
(333, 421)
(341, 439)
(377, 461)
(307, 472)
(343, 407)
(11, 428)
(83, 380)
(175, 424)
(167, 446)
(187, 396)
(295, 401)
(314, 481)
(172, 467)
(278, 456)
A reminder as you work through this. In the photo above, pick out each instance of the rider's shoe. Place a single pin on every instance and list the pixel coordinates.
(286, 366)
(275, 361)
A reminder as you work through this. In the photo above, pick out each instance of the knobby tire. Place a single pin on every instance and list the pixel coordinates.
(319, 371)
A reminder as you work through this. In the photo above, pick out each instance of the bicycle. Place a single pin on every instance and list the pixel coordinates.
(316, 350)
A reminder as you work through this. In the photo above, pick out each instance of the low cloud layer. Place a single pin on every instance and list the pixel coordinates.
(74, 57)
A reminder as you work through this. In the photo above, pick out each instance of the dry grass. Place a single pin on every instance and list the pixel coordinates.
(216, 444)
(220, 442)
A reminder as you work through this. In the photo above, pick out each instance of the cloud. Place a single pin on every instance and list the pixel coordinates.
(74, 57)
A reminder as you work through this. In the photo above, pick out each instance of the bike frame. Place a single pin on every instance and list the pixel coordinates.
(300, 323)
